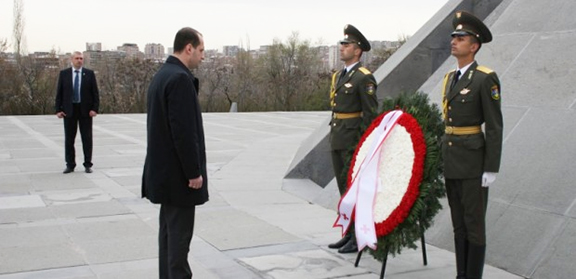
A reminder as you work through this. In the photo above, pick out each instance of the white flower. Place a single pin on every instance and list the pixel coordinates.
(394, 170)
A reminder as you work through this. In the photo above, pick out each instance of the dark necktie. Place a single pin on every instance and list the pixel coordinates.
(76, 98)
(342, 75)
(455, 80)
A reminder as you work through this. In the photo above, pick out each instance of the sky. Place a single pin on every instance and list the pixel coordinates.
(67, 25)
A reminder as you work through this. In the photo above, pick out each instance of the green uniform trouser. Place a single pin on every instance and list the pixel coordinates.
(339, 161)
(468, 201)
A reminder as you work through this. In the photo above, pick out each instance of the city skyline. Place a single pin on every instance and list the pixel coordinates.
(69, 25)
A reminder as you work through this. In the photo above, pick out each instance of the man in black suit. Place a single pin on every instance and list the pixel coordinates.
(77, 101)
(175, 167)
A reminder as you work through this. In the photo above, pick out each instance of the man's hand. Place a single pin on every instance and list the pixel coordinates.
(60, 114)
(488, 178)
(196, 183)
(93, 113)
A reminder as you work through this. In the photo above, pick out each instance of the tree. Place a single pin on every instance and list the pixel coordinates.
(123, 84)
(291, 72)
(18, 28)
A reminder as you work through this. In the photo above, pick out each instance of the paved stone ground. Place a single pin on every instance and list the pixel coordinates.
(96, 225)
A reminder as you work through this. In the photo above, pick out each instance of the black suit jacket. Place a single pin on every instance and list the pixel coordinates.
(176, 147)
(89, 95)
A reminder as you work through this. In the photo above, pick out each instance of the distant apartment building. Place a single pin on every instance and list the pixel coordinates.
(230, 51)
(94, 46)
(131, 50)
(154, 52)
(99, 59)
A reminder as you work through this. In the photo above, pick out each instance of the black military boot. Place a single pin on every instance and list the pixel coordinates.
(340, 242)
(461, 249)
(350, 247)
(475, 264)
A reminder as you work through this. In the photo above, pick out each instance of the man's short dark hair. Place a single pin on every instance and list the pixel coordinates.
(186, 36)
(477, 41)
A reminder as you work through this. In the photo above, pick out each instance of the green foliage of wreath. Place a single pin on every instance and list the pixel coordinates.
(432, 187)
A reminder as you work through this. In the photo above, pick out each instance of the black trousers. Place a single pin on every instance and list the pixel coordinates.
(174, 237)
(468, 202)
(70, 129)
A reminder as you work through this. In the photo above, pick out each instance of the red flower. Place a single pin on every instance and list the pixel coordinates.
(400, 213)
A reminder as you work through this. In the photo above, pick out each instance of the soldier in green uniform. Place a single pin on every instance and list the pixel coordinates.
(470, 98)
(354, 106)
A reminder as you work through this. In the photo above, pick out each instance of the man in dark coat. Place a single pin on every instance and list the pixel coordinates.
(77, 101)
(354, 106)
(175, 169)
(471, 97)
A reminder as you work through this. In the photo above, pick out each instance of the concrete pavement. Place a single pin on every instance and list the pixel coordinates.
(256, 224)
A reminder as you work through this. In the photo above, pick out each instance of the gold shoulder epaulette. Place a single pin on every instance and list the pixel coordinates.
(485, 70)
(364, 70)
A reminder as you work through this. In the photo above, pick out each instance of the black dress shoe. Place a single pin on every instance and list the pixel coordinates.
(88, 170)
(350, 247)
(68, 170)
(340, 242)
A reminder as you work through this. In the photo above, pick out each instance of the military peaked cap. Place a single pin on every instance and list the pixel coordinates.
(353, 36)
(467, 24)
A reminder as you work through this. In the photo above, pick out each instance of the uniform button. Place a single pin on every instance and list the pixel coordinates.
(449, 143)
(450, 119)
(334, 104)
(335, 94)
(463, 101)
(334, 124)
(449, 107)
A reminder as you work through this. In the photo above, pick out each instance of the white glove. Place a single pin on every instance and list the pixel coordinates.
(488, 178)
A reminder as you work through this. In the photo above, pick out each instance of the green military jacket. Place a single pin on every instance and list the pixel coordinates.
(474, 100)
(354, 93)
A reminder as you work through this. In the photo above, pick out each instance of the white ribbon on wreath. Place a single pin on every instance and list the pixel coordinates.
(361, 195)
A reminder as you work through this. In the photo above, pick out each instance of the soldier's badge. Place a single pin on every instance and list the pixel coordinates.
(348, 85)
(464, 91)
(370, 88)
(495, 92)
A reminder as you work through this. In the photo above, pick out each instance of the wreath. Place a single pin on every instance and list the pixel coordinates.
(410, 172)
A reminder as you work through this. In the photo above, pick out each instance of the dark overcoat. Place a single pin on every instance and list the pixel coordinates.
(176, 148)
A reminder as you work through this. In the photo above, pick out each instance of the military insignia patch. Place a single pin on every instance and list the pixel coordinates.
(495, 92)
(370, 88)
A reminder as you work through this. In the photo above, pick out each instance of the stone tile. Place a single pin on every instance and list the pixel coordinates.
(308, 264)
(562, 255)
(42, 182)
(75, 196)
(520, 237)
(21, 202)
(76, 272)
(14, 237)
(89, 209)
(44, 256)
(244, 197)
(24, 215)
(227, 228)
